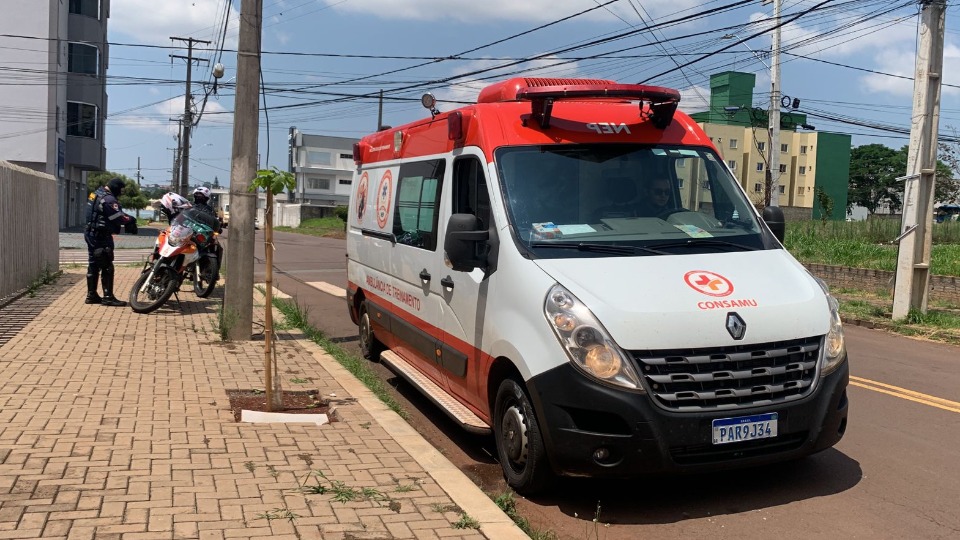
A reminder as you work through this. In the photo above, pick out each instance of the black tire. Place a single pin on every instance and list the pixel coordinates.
(370, 346)
(519, 443)
(204, 276)
(158, 291)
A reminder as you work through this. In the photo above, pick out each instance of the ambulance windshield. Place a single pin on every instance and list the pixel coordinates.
(672, 198)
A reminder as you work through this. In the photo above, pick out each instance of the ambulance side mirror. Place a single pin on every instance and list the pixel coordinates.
(465, 243)
(773, 217)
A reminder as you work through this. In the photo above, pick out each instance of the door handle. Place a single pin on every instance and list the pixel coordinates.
(447, 282)
(424, 275)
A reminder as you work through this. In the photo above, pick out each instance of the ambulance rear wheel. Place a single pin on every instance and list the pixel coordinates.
(370, 346)
(519, 444)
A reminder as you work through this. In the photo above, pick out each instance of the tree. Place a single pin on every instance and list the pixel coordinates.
(874, 169)
(273, 181)
(130, 199)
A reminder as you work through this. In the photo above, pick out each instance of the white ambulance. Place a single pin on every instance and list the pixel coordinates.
(569, 265)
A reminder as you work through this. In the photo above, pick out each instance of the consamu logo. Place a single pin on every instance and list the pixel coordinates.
(608, 127)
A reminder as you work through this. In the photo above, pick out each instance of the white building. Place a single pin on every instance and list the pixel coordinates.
(53, 102)
(323, 167)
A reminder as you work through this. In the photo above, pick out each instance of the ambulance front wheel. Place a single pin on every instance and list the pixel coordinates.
(519, 444)
(370, 346)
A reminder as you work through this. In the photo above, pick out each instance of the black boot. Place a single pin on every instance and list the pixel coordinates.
(92, 296)
(108, 298)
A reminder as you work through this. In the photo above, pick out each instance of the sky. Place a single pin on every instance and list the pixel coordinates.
(324, 61)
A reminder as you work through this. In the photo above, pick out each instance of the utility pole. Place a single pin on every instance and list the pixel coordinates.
(913, 256)
(773, 161)
(175, 182)
(139, 176)
(238, 296)
(184, 186)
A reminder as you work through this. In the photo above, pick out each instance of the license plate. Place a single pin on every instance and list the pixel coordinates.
(744, 428)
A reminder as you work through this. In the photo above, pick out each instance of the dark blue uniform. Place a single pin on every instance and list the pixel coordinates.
(105, 218)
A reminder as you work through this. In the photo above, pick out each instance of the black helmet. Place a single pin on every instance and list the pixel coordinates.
(115, 186)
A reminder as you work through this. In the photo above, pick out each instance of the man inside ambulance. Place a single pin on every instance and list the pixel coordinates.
(658, 197)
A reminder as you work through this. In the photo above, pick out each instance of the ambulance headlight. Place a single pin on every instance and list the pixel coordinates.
(587, 344)
(835, 350)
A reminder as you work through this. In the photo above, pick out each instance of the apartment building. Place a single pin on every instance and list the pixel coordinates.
(811, 162)
(53, 102)
(323, 167)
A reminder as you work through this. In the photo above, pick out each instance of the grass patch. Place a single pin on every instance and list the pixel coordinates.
(46, 277)
(508, 504)
(940, 323)
(867, 244)
(296, 315)
(331, 227)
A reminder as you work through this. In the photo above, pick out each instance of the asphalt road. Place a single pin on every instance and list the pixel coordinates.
(896, 473)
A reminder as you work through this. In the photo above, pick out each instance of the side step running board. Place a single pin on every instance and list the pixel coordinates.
(447, 403)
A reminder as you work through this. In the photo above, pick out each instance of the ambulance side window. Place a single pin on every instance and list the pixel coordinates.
(418, 203)
(470, 195)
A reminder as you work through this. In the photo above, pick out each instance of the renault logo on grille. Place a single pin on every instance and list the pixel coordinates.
(736, 326)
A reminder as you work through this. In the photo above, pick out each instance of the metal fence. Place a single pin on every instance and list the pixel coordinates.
(29, 241)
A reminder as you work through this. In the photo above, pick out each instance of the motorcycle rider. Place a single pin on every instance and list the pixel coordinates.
(172, 204)
(104, 219)
(201, 201)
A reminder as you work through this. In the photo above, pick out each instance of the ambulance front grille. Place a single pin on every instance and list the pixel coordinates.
(735, 377)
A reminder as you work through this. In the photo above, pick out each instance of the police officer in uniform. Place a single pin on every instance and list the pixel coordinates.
(104, 219)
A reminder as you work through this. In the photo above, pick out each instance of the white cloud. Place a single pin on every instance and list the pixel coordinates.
(154, 21)
(694, 99)
(902, 62)
(519, 10)
(157, 118)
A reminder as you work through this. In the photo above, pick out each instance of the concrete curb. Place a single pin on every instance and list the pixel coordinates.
(494, 523)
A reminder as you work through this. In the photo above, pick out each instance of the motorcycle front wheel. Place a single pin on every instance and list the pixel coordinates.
(204, 277)
(159, 290)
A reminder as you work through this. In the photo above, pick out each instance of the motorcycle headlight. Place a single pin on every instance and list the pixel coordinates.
(178, 235)
(834, 347)
(587, 344)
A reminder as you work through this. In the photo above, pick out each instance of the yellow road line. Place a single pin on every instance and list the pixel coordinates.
(903, 393)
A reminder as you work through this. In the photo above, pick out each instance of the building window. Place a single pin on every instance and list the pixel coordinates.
(760, 166)
(82, 58)
(732, 164)
(56, 121)
(803, 149)
(313, 182)
(316, 158)
(800, 190)
(418, 204)
(803, 170)
(761, 146)
(345, 181)
(81, 119)
(733, 144)
(90, 8)
(681, 163)
(758, 187)
(346, 156)
(680, 183)
(783, 168)
(784, 148)
(783, 189)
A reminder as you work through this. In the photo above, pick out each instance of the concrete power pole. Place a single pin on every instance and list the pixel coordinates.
(184, 186)
(773, 163)
(913, 257)
(238, 296)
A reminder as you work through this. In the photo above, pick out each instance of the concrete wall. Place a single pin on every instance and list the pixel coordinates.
(945, 288)
(29, 241)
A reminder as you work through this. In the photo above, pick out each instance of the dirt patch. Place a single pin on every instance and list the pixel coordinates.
(292, 402)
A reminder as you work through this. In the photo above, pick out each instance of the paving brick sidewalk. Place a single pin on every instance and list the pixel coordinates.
(117, 425)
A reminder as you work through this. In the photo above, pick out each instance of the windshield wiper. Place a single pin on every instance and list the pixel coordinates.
(707, 242)
(599, 248)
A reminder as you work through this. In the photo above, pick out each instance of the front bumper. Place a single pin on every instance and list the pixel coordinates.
(579, 417)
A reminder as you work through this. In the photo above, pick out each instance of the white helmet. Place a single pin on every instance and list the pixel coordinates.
(174, 203)
(202, 191)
